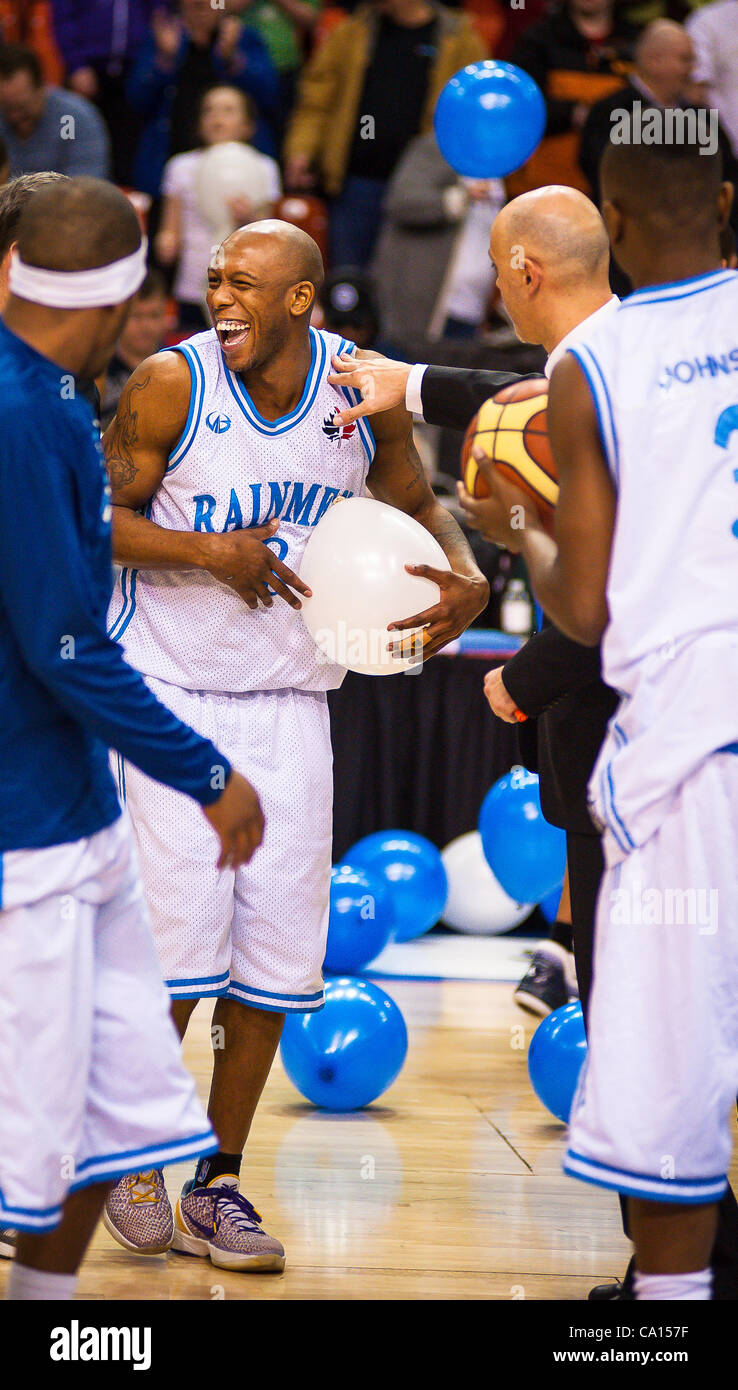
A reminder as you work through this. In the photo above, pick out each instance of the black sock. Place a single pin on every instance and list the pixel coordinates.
(561, 933)
(214, 1166)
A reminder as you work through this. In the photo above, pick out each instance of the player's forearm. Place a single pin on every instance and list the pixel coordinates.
(104, 693)
(438, 520)
(142, 544)
(574, 608)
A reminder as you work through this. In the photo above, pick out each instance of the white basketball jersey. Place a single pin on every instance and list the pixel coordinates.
(230, 469)
(663, 371)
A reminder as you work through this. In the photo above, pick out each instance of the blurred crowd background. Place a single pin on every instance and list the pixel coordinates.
(212, 113)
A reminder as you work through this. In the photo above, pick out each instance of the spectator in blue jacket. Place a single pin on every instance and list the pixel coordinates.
(180, 57)
(98, 40)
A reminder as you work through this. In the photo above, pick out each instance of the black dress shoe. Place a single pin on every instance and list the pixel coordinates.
(604, 1293)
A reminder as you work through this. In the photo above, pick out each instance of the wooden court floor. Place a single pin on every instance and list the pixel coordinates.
(449, 1187)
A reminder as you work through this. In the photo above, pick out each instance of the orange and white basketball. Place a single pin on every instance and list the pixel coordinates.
(511, 430)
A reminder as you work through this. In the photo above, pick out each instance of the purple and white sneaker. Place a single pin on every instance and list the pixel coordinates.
(218, 1221)
(138, 1213)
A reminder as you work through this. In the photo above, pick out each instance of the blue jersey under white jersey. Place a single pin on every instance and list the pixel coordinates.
(663, 372)
(233, 469)
(66, 693)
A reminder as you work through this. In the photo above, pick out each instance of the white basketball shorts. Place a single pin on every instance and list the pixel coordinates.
(652, 1114)
(257, 935)
(92, 1084)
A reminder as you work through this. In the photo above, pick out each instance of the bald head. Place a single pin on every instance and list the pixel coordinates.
(661, 36)
(289, 249)
(552, 256)
(77, 224)
(663, 59)
(560, 229)
(262, 284)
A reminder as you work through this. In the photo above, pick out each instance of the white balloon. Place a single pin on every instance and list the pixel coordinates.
(226, 171)
(476, 902)
(354, 562)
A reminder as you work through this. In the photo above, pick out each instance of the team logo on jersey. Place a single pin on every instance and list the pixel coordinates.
(218, 423)
(337, 432)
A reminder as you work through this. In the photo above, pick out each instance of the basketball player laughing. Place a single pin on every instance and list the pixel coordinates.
(223, 456)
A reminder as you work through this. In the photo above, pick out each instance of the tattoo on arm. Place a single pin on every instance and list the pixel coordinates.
(123, 439)
(417, 472)
(447, 531)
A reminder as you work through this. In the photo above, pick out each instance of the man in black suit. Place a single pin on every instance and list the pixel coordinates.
(551, 253)
(554, 681)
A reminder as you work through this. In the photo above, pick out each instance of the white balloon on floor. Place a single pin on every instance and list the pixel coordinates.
(354, 562)
(476, 902)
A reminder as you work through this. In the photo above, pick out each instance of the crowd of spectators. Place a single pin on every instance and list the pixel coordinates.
(326, 110)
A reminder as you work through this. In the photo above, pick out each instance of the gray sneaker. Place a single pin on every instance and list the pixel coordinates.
(218, 1221)
(138, 1213)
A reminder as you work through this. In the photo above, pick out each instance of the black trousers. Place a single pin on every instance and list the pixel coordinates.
(586, 864)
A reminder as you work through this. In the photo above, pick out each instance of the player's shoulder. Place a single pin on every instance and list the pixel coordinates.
(333, 343)
(164, 371)
(158, 391)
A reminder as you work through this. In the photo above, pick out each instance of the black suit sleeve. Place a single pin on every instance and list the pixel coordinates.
(451, 396)
(548, 667)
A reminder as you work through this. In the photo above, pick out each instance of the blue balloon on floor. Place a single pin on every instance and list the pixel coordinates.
(555, 1056)
(360, 922)
(345, 1055)
(526, 854)
(489, 119)
(413, 871)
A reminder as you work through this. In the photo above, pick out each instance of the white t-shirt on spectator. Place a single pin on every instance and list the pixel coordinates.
(196, 234)
(713, 30)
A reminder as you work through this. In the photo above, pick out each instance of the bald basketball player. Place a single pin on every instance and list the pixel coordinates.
(81, 1000)
(224, 454)
(644, 428)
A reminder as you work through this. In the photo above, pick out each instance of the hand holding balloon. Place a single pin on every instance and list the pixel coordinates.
(462, 597)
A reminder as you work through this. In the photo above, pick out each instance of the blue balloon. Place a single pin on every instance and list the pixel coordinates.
(360, 923)
(346, 1054)
(555, 1057)
(550, 904)
(413, 871)
(525, 853)
(489, 119)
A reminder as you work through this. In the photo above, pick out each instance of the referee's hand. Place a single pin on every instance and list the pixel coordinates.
(380, 382)
(237, 820)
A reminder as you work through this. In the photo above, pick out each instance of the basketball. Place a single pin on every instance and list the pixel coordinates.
(511, 430)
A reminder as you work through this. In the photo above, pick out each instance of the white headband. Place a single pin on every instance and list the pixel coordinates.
(79, 289)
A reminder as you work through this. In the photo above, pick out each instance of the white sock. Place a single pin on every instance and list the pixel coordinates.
(27, 1284)
(674, 1286)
